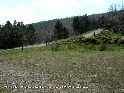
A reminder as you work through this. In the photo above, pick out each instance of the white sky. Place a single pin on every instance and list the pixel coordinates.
(31, 11)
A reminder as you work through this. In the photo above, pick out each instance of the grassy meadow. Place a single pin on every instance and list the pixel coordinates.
(69, 65)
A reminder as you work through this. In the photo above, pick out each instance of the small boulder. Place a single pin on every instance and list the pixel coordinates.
(114, 41)
(121, 40)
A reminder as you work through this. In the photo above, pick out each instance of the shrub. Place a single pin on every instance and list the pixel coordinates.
(91, 40)
(55, 47)
(104, 37)
(102, 47)
(70, 46)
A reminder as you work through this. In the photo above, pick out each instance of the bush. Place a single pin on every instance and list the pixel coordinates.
(102, 47)
(91, 40)
(70, 46)
(104, 37)
(55, 47)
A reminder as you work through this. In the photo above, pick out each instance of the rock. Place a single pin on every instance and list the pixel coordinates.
(121, 40)
(114, 41)
(122, 90)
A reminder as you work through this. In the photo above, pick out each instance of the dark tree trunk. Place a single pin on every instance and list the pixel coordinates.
(22, 47)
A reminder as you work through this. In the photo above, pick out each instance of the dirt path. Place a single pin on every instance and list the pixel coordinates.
(92, 33)
(40, 45)
(43, 44)
(86, 35)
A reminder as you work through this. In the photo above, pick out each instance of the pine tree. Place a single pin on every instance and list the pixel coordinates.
(102, 22)
(16, 35)
(81, 24)
(75, 24)
(7, 29)
(60, 32)
(31, 34)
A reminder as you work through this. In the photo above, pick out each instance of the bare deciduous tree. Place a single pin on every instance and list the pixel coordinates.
(46, 36)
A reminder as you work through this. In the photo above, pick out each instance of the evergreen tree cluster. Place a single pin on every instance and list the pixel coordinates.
(82, 24)
(60, 32)
(16, 35)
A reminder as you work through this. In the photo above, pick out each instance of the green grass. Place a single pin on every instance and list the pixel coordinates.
(101, 38)
(72, 64)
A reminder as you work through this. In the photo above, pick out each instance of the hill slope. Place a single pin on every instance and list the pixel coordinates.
(94, 71)
(67, 22)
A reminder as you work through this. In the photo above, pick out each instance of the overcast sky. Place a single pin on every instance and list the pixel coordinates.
(31, 11)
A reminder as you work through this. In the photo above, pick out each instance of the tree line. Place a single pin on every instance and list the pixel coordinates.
(16, 35)
(80, 25)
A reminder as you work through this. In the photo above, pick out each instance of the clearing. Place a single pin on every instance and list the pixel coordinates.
(95, 71)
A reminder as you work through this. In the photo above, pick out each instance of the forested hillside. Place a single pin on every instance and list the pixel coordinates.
(95, 21)
(52, 30)
(67, 22)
